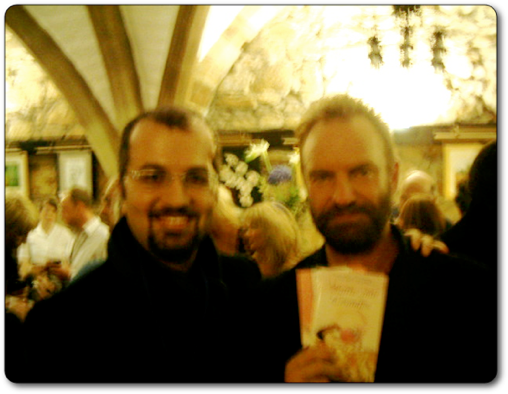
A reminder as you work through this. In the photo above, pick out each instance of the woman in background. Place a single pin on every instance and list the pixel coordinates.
(422, 213)
(271, 236)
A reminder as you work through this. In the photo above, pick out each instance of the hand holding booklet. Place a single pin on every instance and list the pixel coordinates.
(344, 310)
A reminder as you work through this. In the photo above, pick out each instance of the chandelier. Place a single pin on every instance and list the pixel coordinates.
(408, 16)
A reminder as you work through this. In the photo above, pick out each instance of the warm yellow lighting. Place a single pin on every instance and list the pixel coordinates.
(218, 20)
(403, 97)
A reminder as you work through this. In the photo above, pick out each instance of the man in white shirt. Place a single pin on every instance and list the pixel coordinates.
(91, 242)
(49, 241)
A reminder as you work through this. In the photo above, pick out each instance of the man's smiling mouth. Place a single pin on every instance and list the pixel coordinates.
(171, 220)
(173, 223)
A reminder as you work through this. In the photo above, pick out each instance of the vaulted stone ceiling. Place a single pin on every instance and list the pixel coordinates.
(252, 68)
(417, 65)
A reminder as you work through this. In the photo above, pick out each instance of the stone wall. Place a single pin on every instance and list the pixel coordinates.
(301, 55)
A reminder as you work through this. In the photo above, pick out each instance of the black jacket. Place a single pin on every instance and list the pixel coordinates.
(134, 320)
(440, 321)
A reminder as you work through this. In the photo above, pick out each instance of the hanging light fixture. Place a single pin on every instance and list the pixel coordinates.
(375, 55)
(406, 47)
(405, 13)
(401, 11)
(438, 50)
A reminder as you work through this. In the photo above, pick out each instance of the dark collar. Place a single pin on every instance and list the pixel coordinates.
(318, 259)
(131, 259)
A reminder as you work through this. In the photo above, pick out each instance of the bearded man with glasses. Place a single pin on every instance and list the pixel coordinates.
(160, 308)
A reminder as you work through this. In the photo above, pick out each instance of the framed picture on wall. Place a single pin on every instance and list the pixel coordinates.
(75, 170)
(458, 159)
(16, 172)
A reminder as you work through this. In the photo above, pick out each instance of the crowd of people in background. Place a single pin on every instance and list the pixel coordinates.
(49, 258)
(268, 231)
(149, 282)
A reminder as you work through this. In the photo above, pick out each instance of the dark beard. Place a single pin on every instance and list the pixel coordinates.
(177, 255)
(355, 238)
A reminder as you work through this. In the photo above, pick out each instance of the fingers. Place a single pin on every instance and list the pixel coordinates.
(425, 243)
(310, 365)
(430, 244)
(415, 237)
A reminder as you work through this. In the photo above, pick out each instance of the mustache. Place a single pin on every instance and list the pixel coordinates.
(167, 211)
(339, 210)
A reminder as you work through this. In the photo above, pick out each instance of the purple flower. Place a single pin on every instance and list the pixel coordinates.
(280, 174)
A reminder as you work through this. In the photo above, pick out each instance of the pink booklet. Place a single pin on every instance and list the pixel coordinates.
(343, 309)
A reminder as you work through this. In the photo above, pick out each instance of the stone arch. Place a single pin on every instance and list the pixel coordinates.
(225, 52)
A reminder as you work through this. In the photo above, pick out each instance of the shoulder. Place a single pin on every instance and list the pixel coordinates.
(448, 274)
(63, 230)
(285, 283)
(95, 227)
(103, 228)
(239, 270)
(318, 258)
(87, 293)
(443, 261)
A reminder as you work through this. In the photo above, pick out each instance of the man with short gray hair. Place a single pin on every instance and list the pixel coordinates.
(440, 311)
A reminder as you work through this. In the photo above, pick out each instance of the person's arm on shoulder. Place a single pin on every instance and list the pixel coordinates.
(424, 243)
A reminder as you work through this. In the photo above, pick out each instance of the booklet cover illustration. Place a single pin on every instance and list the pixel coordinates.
(344, 310)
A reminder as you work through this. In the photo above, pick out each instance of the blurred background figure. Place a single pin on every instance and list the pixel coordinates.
(44, 258)
(475, 235)
(90, 246)
(463, 197)
(110, 210)
(421, 183)
(21, 217)
(417, 182)
(271, 236)
(49, 242)
(226, 223)
(422, 213)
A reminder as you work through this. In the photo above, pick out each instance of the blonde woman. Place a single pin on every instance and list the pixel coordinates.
(271, 235)
(226, 223)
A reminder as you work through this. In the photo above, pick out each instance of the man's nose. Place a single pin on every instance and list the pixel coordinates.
(343, 192)
(174, 193)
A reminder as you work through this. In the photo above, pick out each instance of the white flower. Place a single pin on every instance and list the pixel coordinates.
(231, 159)
(225, 173)
(232, 181)
(252, 177)
(246, 201)
(242, 168)
(245, 188)
(294, 158)
(256, 150)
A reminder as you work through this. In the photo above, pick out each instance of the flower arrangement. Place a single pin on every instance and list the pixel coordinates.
(281, 183)
(235, 174)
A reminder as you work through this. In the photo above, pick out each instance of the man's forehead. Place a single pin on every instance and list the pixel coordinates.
(157, 144)
(329, 136)
(194, 128)
(147, 128)
(358, 124)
